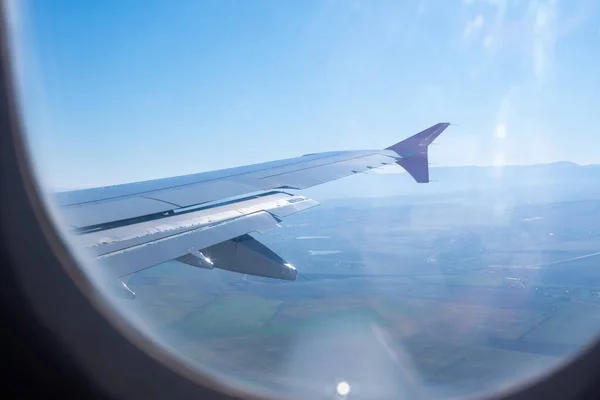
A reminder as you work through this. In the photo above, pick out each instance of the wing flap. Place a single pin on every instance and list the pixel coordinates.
(150, 253)
(124, 248)
(247, 255)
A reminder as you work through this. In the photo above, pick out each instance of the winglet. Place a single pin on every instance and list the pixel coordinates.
(413, 151)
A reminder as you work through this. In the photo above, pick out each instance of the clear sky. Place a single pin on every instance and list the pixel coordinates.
(117, 91)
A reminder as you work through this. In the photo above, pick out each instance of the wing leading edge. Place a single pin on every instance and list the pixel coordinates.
(134, 226)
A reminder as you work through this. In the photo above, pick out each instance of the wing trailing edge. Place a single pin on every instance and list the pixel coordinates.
(207, 219)
(413, 151)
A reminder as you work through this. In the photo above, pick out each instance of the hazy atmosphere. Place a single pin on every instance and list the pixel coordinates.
(486, 276)
(127, 91)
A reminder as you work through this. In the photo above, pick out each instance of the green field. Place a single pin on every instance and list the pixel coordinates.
(411, 293)
(228, 316)
(573, 323)
(468, 279)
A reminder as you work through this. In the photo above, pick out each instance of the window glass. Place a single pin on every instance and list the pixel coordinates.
(479, 280)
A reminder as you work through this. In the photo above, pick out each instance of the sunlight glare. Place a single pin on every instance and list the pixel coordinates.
(500, 131)
(343, 388)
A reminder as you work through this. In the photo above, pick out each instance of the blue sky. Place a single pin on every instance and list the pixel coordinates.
(119, 91)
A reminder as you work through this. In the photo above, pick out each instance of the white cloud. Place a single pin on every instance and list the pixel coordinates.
(493, 40)
(531, 27)
(543, 17)
(473, 26)
(489, 23)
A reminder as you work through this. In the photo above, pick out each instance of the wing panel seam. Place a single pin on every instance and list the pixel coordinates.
(142, 193)
(162, 201)
(335, 162)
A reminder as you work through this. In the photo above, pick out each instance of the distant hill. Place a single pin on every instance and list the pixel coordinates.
(557, 179)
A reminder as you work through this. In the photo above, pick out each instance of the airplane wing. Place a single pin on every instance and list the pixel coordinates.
(205, 219)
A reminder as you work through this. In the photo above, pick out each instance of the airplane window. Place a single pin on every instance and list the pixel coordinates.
(327, 199)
